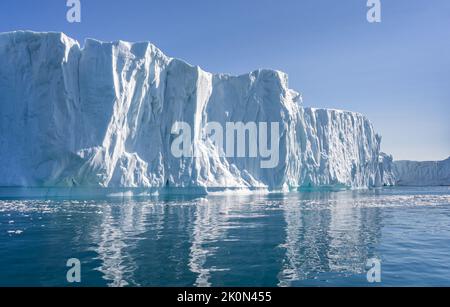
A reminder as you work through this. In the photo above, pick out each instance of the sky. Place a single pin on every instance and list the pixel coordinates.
(396, 72)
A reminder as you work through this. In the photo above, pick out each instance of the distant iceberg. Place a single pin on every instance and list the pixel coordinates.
(101, 116)
(432, 173)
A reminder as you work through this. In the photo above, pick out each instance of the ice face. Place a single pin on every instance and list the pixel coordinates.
(411, 173)
(102, 116)
(386, 167)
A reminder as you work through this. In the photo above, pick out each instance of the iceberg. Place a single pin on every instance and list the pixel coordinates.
(387, 170)
(101, 116)
(430, 173)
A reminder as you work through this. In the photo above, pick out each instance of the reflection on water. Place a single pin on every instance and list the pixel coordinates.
(321, 238)
(209, 228)
(113, 248)
(333, 236)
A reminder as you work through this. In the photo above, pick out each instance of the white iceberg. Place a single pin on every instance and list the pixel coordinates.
(101, 116)
(430, 173)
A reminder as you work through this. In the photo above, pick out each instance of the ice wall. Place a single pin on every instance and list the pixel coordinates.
(101, 116)
(433, 173)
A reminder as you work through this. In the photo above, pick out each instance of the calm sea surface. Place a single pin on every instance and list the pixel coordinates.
(296, 239)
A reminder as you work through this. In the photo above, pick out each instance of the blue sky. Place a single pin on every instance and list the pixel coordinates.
(396, 72)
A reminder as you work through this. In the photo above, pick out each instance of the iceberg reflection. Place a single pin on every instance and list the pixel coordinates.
(117, 238)
(326, 234)
(283, 239)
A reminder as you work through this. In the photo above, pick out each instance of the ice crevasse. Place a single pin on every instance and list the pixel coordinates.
(102, 115)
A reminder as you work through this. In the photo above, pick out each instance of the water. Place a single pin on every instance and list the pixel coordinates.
(296, 239)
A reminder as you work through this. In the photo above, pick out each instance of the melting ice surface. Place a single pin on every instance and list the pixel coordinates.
(295, 239)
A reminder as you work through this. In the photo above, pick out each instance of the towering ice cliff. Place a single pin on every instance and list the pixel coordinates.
(411, 173)
(387, 170)
(102, 116)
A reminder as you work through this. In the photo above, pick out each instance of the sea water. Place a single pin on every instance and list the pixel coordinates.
(310, 238)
